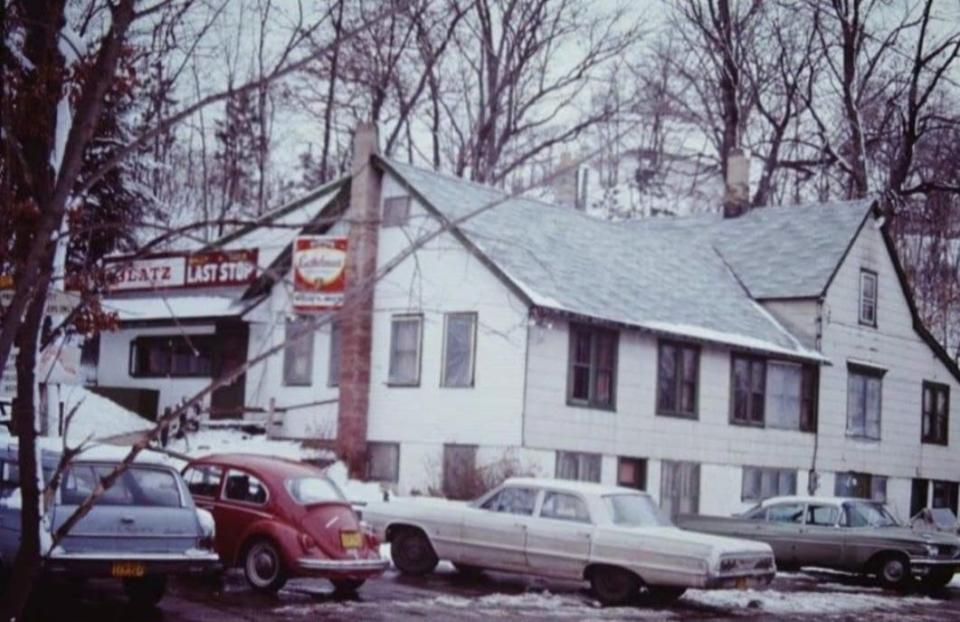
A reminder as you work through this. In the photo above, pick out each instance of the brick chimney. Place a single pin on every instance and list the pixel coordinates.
(356, 325)
(566, 186)
(736, 199)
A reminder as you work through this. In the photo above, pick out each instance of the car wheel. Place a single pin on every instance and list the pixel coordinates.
(346, 586)
(614, 586)
(893, 572)
(412, 553)
(145, 591)
(663, 594)
(263, 567)
(937, 578)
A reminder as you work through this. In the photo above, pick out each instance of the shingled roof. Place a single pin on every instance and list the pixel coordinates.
(696, 277)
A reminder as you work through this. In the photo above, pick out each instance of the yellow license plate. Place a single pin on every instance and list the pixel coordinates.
(741, 583)
(128, 569)
(350, 539)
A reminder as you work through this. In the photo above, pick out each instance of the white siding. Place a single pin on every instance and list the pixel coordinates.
(797, 316)
(895, 346)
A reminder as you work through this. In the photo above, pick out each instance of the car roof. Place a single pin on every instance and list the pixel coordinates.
(268, 466)
(809, 499)
(575, 486)
(52, 448)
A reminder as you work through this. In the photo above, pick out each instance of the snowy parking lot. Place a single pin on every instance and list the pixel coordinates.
(447, 595)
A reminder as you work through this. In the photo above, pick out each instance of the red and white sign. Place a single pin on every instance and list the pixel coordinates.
(173, 271)
(319, 272)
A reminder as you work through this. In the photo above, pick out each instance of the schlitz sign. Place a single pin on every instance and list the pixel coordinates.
(319, 272)
(178, 270)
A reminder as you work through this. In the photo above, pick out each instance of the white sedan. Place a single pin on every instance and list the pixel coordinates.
(615, 538)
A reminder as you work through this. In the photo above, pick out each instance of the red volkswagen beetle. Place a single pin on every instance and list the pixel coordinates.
(279, 519)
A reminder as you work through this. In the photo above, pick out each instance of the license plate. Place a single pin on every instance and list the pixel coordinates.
(128, 569)
(741, 583)
(350, 539)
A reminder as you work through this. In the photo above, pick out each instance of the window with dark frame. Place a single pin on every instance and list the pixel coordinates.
(182, 356)
(591, 379)
(333, 367)
(773, 393)
(396, 211)
(632, 473)
(297, 354)
(868, 297)
(406, 336)
(860, 485)
(459, 349)
(761, 483)
(678, 371)
(864, 397)
(936, 413)
(383, 462)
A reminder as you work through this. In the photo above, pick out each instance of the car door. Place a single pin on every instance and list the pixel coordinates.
(558, 539)
(782, 529)
(495, 533)
(243, 499)
(820, 542)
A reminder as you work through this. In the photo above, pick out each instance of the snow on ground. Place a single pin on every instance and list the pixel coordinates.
(822, 601)
(97, 417)
(228, 440)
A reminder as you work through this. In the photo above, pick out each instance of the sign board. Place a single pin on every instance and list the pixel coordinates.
(58, 303)
(319, 272)
(175, 271)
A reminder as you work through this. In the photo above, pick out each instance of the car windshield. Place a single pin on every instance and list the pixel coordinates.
(635, 511)
(307, 490)
(869, 514)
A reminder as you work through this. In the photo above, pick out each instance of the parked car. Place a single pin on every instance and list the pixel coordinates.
(278, 518)
(142, 529)
(854, 535)
(615, 538)
(936, 519)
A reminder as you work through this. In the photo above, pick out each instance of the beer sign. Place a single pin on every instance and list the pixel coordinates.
(181, 270)
(319, 272)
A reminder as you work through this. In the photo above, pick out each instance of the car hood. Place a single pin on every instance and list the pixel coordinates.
(905, 534)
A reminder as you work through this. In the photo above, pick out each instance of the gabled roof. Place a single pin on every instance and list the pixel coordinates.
(660, 278)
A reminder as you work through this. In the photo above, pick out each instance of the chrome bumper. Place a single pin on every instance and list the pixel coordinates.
(926, 562)
(740, 580)
(343, 565)
(194, 562)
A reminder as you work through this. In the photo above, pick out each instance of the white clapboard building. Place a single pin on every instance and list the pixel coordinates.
(711, 360)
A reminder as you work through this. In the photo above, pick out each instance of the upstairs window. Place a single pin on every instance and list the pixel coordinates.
(868, 297)
(396, 211)
(459, 349)
(298, 354)
(936, 413)
(405, 338)
(591, 378)
(864, 389)
(172, 355)
(773, 394)
(678, 370)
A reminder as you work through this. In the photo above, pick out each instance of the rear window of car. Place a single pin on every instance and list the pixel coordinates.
(307, 490)
(137, 486)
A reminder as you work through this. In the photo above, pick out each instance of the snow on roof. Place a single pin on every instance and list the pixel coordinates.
(98, 417)
(665, 278)
(159, 306)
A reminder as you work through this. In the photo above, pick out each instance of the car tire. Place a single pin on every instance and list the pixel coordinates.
(664, 594)
(937, 578)
(145, 592)
(614, 586)
(263, 566)
(893, 571)
(346, 586)
(412, 553)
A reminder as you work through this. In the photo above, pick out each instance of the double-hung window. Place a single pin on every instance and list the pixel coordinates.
(297, 354)
(578, 466)
(862, 485)
(762, 483)
(591, 379)
(749, 381)
(405, 341)
(868, 297)
(774, 394)
(459, 349)
(936, 413)
(678, 370)
(864, 390)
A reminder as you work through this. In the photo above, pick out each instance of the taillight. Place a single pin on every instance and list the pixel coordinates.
(307, 543)
(207, 542)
